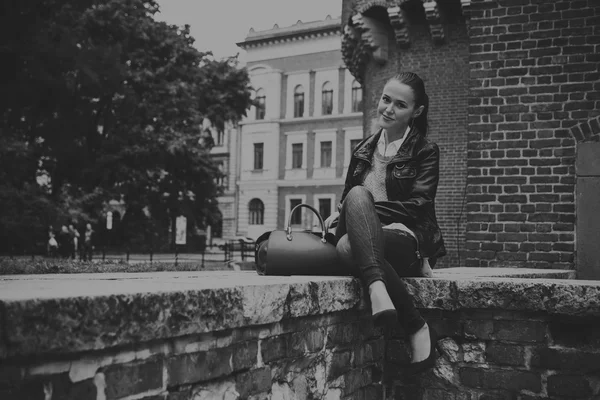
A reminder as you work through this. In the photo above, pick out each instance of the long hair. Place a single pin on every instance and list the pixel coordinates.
(417, 85)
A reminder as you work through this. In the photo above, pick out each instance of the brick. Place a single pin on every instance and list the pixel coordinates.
(566, 359)
(309, 341)
(198, 367)
(502, 379)
(520, 331)
(572, 386)
(62, 388)
(505, 354)
(128, 379)
(478, 329)
(341, 334)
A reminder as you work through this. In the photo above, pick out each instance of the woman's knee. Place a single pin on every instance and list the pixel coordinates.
(359, 194)
(344, 251)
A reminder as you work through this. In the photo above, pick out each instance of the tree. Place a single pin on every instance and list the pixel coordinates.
(107, 103)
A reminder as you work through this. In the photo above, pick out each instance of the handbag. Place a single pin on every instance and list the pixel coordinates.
(284, 252)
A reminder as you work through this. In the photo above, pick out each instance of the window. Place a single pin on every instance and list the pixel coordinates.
(221, 179)
(327, 99)
(220, 138)
(217, 229)
(258, 156)
(356, 97)
(297, 155)
(297, 217)
(257, 212)
(298, 101)
(325, 208)
(260, 104)
(326, 148)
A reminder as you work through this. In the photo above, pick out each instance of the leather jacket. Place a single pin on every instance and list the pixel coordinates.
(411, 183)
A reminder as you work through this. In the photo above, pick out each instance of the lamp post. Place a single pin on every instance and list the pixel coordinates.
(109, 225)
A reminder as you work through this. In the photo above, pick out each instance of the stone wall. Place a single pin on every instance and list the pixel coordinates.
(217, 335)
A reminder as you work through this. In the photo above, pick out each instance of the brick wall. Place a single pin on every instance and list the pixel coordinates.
(445, 70)
(511, 96)
(534, 76)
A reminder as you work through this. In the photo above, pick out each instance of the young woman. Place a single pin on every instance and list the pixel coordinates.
(386, 224)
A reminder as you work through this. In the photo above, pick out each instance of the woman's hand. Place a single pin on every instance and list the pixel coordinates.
(331, 219)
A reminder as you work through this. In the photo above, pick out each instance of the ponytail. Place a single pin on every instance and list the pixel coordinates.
(421, 99)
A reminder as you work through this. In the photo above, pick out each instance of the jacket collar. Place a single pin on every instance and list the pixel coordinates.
(406, 151)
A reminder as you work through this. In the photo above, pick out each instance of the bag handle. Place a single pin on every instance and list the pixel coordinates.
(288, 230)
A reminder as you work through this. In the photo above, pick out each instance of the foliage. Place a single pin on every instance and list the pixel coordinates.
(105, 102)
(62, 266)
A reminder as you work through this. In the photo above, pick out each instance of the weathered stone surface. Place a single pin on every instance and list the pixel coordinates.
(70, 313)
(569, 297)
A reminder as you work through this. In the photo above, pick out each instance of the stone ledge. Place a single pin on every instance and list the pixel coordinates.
(44, 314)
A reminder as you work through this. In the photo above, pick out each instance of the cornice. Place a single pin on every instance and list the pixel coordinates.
(288, 38)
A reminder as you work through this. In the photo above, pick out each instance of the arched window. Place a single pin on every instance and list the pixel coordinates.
(298, 101)
(327, 99)
(257, 212)
(356, 97)
(260, 104)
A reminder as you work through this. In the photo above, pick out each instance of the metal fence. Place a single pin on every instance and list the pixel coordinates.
(232, 250)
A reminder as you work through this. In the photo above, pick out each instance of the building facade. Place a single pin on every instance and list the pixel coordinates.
(294, 146)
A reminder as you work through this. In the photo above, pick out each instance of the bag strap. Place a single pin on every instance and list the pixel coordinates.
(288, 230)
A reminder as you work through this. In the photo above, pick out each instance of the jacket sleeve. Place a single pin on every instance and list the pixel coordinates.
(347, 186)
(422, 194)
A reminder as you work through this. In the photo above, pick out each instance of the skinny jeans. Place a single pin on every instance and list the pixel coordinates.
(373, 253)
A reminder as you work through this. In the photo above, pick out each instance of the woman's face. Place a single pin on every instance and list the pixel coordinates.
(397, 107)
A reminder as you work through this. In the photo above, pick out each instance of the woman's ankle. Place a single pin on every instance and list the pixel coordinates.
(380, 298)
(377, 288)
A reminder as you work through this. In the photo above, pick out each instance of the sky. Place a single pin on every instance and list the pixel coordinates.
(217, 25)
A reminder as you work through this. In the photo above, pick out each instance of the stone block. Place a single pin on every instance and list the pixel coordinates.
(505, 354)
(571, 386)
(222, 390)
(473, 352)
(521, 331)
(511, 380)
(355, 379)
(565, 359)
(342, 334)
(308, 341)
(478, 329)
(129, 379)
(253, 382)
(244, 355)
(197, 367)
(438, 394)
(56, 386)
(450, 350)
(577, 333)
(339, 363)
(274, 348)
